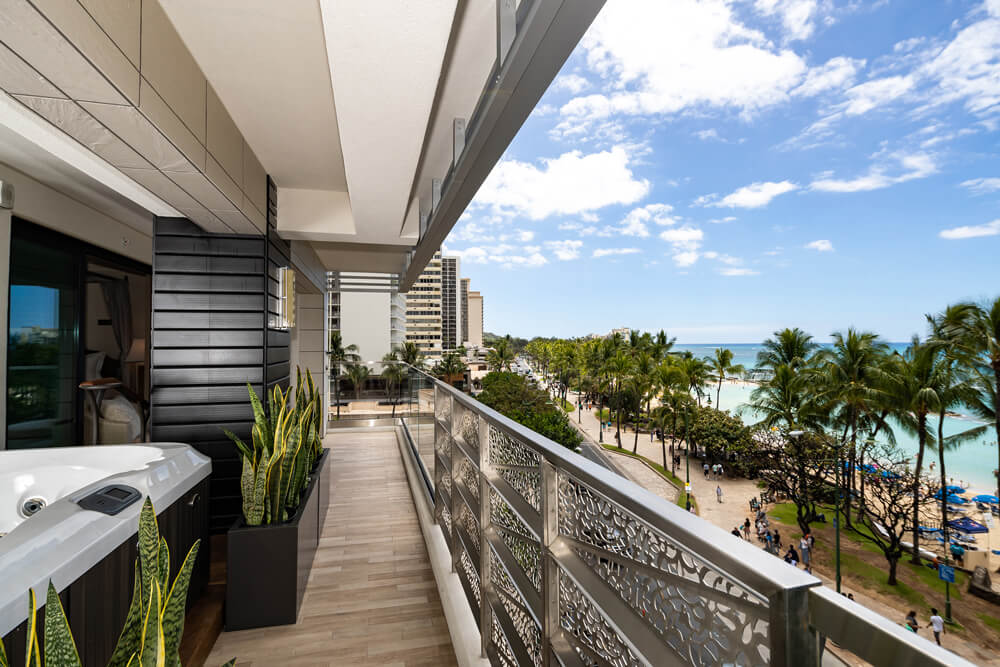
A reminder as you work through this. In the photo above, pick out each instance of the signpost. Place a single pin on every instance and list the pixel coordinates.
(946, 573)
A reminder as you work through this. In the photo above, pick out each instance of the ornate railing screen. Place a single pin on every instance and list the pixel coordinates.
(565, 563)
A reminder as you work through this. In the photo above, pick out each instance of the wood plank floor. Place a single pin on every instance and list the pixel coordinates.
(371, 597)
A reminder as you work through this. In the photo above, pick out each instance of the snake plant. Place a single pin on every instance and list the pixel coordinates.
(155, 620)
(285, 444)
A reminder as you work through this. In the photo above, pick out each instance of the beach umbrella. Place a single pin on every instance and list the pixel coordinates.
(954, 489)
(952, 498)
(986, 498)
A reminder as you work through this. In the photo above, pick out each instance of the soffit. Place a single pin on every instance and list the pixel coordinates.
(267, 62)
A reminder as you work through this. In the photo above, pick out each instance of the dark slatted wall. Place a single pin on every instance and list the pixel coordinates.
(276, 359)
(208, 341)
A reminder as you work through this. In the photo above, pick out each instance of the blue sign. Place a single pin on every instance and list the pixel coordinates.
(946, 573)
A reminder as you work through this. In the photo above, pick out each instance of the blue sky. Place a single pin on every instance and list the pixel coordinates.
(724, 168)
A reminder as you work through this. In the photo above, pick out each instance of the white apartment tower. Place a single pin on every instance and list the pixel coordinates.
(475, 319)
(451, 302)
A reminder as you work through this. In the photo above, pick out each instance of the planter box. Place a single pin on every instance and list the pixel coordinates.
(268, 566)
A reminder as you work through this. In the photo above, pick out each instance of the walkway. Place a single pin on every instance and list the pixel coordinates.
(371, 597)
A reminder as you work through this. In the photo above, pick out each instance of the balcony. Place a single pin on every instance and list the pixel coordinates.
(564, 562)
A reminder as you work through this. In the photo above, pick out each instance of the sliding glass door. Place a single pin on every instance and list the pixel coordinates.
(43, 343)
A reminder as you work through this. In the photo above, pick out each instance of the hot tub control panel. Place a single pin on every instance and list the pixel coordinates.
(111, 499)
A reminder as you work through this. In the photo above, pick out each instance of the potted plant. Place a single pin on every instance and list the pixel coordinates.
(284, 506)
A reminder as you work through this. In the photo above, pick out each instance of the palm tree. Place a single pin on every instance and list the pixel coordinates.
(501, 356)
(789, 347)
(411, 354)
(722, 364)
(978, 329)
(697, 373)
(619, 368)
(450, 366)
(662, 345)
(393, 374)
(659, 420)
(787, 401)
(340, 355)
(851, 372)
(357, 374)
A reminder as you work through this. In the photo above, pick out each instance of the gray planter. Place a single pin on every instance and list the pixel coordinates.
(268, 566)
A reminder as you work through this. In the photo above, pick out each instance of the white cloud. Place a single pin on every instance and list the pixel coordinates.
(754, 195)
(506, 255)
(981, 186)
(524, 236)
(909, 166)
(967, 68)
(739, 272)
(664, 57)
(722, 221)
(565, 250)
(607, 252)
(573, 83)
(820, 245)
(797, 16)
(971, 231)
(708, 134)
(686, 241)
(544, 110)
(864, 97)
(572, 183)
(834, 74)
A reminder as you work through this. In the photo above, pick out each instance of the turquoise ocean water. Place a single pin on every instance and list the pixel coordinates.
(973, 462)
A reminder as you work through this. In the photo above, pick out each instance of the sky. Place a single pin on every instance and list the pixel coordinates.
(721, 169)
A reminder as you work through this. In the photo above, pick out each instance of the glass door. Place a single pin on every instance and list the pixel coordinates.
(43, 342)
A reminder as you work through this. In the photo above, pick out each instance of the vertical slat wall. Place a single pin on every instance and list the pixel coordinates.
(208, 342)
(279, 253)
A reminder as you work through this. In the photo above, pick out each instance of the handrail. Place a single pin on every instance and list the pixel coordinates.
(566, 562)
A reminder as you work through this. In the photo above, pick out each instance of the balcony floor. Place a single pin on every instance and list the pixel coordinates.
(371, 597)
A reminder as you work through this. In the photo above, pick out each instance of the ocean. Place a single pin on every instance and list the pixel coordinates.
(973, 462)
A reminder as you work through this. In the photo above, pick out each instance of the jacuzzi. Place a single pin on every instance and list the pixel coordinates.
(49, 536)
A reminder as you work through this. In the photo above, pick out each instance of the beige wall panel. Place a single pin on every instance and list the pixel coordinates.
(228, 186)
(237, 222)
(136, 130)
(85, 34)
(310, 300)
(311, 340)
(77, 123)
(312, 318)
(29, 34)
(169, 67)
(120, 19)
(162, 187)
(19, 78)
(206, 220)
(254, 179)
(161, 115)
(201, 189)
(225, 143)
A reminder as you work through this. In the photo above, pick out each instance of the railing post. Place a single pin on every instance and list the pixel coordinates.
(794, 642)
(550, 570)
(485, 578)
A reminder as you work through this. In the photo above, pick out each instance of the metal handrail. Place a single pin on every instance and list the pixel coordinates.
(734, 578)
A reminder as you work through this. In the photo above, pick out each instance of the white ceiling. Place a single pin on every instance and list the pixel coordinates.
(267, 62)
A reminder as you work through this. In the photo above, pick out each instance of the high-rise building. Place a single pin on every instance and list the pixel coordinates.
(451, 314)
(475, 319)
(464, 309)
(423, 310)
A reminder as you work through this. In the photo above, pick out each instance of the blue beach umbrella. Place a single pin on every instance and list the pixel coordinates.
(986, 498)
(954, 489)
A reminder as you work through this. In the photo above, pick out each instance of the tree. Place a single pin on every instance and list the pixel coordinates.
(619, 368)
(788, 347)
(722, 364)
(410, 354)
(357, 374)
(787, 401)
(885, 520)
(393, 374)
(512, 396)
(718, 432)
(501, 357)
(660, 419)
(794, 467)
(450, 367)
(340, 355)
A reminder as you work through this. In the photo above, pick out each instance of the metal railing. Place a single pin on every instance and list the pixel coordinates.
(566, 563)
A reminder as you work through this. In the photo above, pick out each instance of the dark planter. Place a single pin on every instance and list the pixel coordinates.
(268, 566)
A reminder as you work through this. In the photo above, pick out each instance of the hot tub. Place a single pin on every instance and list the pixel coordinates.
(49, 536)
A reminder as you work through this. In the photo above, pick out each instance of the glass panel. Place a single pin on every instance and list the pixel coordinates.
(42, 346)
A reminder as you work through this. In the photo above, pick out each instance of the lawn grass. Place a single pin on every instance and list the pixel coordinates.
(671, 477)
(606, 412)
(991, 621)
(568, 407)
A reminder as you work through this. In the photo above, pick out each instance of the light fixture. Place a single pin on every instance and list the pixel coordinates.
(285, 319)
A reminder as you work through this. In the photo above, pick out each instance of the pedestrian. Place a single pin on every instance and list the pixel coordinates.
(746, 529)
(804, 548)
(911, 622)
(718, 493)
(769, 543)
(777, 538)
(721, 471)
(736, 531)
(850, 596)
(791, 557)
(705, 468)
(937, 625)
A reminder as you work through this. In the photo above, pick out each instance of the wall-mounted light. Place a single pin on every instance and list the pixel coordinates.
(286, 298)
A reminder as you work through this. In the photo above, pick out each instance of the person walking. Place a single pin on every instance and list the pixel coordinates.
(746, 529)
(718, 493)
(704, 467)
(911, 622)
(804, 548)
(937, 625)
(777, 538)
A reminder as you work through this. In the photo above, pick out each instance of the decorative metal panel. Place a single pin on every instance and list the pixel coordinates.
(582, 620)
(527, 629)
(467, 425)
(505, 654)
(469, 475)
(470, 572)
(518, 538)
(517, 465)
(704, 615)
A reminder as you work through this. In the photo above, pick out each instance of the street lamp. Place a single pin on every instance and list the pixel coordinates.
(687, 457)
